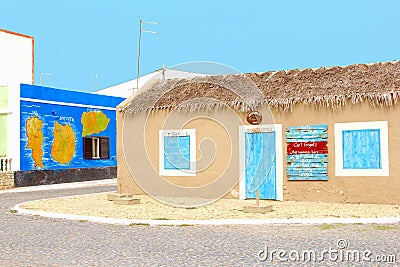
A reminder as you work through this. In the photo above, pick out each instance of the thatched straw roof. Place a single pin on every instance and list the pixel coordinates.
(332, 87)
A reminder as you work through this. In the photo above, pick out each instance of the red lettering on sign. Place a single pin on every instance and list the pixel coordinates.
(307, 148)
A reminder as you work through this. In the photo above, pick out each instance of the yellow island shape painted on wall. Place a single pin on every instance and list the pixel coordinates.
(35, 139)
(63, 148)
(93, 122)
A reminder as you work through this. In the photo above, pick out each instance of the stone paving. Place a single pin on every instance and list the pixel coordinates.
(150, 209)
(38, 241)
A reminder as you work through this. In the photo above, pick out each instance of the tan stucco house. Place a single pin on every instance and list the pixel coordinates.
(328, 134)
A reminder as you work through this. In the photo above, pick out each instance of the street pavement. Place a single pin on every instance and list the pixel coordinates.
(39, 241)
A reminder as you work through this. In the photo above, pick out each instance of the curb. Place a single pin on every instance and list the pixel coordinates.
(314, 221)
(104, 182)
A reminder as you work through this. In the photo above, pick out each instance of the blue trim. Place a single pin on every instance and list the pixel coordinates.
(308, 157)
(52, 94)
(311, 139)
(310, 133)
(309, 178)
(308, 127)
(305, 164)
(304, 171)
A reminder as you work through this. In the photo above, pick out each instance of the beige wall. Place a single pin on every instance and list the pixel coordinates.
(223, 128)
(217, 159)
(347, 189)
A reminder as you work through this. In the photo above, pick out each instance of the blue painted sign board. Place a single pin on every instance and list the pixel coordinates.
(307, 152)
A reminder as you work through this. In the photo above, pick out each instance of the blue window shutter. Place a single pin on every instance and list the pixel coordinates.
(361, 149)
(177, 153)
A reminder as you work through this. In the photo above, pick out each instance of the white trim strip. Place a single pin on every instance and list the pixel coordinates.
(74, 185)
(64, 103)
(384, 135)
(311, 221)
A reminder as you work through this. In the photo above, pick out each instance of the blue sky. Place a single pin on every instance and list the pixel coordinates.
(76, 39)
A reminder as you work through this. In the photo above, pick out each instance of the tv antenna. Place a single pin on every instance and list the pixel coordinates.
(44, 74)
(140, 39)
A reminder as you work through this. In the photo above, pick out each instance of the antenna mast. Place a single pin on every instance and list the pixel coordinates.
(140, 39)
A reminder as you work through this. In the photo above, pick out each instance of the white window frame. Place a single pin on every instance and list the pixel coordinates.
(382, 126)
(277, 128)
(183, 132)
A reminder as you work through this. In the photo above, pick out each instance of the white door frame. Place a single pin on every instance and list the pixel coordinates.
(277, 128)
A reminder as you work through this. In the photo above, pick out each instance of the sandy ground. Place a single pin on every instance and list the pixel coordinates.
(98, 205)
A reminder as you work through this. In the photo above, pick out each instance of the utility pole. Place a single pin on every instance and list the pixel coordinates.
(95, 82)
(140, 39)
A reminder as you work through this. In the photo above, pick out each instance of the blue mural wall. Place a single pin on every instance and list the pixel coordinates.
(54, 122)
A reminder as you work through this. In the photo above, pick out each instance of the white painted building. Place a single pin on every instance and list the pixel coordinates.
(128, 88)
(16, 67)
(16, 58)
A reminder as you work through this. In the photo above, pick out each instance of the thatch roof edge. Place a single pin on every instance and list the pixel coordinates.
(333, 87)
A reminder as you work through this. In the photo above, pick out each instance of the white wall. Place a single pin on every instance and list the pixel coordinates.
(13, 125)
(126, 89)
(16, 58)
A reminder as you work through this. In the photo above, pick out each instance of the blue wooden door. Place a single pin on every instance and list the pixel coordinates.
(260, 164)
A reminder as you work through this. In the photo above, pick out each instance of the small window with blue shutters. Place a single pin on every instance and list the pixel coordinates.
(177, 152)
(361, 149)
